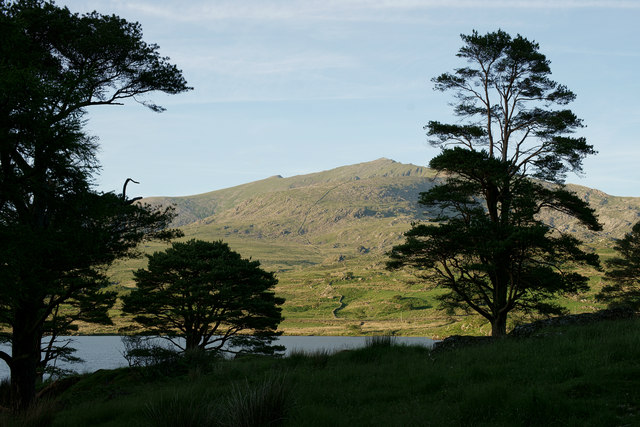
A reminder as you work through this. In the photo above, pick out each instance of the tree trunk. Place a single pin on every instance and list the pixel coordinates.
(501, 285)
(192, 339)
(25, 350)
(499, 325)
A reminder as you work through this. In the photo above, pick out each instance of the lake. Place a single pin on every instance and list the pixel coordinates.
(105, 351)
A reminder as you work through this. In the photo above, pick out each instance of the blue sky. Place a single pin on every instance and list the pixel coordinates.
(290, 87)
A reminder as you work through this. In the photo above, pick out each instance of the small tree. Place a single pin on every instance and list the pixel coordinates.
(209, 295)
(488, 246)
(623, 273)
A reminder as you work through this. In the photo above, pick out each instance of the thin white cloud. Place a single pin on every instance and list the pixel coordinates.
(344, 10)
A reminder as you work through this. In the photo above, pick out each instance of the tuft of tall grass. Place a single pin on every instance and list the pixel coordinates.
(317, 358)
(375, 341)
(40, 414)
(188, 409)
(267, 403)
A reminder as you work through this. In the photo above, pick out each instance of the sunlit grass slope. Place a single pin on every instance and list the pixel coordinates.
(326, 234)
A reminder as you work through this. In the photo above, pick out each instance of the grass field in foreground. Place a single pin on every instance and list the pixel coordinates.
(571, 376)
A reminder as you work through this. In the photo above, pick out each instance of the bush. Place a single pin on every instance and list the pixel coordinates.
(141, 351)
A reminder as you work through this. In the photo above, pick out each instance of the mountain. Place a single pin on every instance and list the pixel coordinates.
(325, 235)
(346, 212)
(201, 206)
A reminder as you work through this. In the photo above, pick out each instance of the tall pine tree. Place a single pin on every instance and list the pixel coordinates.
(488, 247)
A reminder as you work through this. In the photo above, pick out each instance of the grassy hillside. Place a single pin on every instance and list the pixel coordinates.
(326, 235)
(201, 206)
(573, 375)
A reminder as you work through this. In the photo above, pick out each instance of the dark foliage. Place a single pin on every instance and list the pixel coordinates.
(623, 273)
(57, 233)
(210, 296)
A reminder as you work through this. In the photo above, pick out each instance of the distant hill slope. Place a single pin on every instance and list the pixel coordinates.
(347, 211)
(200, 206)
(617, 215)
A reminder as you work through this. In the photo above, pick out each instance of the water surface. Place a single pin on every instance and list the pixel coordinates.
(105, 351)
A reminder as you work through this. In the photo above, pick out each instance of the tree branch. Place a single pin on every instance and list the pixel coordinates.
(6, 358)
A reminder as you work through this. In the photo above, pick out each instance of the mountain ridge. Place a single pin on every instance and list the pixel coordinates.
(199, 206)
(345, 212)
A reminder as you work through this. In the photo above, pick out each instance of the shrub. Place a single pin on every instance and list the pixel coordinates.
(141, 351)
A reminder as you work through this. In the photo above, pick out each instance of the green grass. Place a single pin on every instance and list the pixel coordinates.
(569, 376)
(375, 301)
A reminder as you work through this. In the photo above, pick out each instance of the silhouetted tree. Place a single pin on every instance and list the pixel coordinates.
(208, 295)
(488, 247)
(623, 273)
(58, 234)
